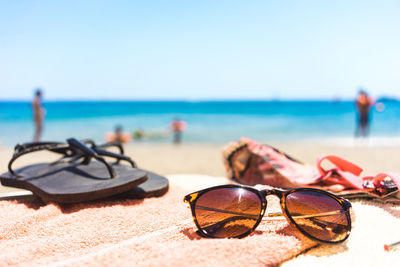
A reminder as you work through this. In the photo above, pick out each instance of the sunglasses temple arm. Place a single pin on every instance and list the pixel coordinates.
(273, 214)
(248, 215)
(335, 212)
(280, 214)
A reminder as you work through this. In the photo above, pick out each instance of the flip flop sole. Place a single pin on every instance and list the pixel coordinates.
(155, 186)
(72, 183)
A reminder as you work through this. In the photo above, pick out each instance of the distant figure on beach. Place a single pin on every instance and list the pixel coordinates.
(118, 136)
(38, 115)
(363, 104)
(177, 126)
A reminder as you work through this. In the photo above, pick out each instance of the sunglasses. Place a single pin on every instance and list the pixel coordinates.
(236, 210)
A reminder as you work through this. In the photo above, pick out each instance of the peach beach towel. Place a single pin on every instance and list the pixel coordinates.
(150, 232)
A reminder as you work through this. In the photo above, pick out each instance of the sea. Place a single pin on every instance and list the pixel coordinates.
(207, 121)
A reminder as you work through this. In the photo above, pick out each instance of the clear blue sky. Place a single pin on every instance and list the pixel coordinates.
(199, 49)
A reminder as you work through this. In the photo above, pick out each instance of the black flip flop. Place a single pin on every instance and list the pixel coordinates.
(70, 181)
(155, 186)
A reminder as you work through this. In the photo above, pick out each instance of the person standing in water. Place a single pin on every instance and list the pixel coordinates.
(177, 126)
(363, 104)
(38, 115)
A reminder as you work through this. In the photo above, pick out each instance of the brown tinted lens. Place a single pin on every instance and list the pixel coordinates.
(319, 215)
(227, 212)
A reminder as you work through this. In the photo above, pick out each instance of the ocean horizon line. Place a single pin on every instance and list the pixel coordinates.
(175, 100)
(199, 100)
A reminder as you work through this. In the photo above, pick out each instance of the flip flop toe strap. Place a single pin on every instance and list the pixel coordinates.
(90, 153)
(72, 149)
(101, 150)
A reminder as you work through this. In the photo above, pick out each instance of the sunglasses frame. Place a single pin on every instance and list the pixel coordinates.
(262, 194)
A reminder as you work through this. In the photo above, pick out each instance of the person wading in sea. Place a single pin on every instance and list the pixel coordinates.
(177, 126)
(363, 104)
(38, 115)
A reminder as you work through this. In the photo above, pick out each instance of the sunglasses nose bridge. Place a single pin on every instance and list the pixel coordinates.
(274, 192)
(278, 193)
